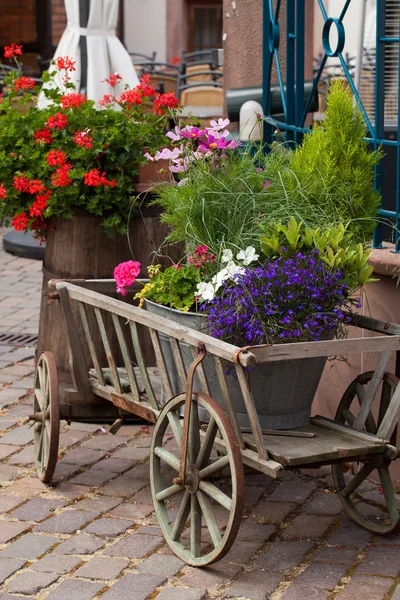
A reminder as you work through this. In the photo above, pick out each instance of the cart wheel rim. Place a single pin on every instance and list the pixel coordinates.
(348, 491)
(202, 499)
(46, 409)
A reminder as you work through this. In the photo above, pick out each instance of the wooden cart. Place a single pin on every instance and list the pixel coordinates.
(196, 460)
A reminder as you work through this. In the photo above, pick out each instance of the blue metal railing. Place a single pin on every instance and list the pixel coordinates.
(292, 90)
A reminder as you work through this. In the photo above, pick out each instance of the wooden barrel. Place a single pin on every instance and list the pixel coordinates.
(77, 249)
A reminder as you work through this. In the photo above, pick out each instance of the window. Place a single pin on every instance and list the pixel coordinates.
(205, 26)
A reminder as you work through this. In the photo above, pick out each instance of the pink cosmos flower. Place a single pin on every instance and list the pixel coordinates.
(175, 137)
(220, 124)
(213, 143)
(267, 182)
(125, 274)
(192, 132)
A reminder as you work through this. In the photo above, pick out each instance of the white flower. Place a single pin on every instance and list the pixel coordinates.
(233, 269)
(205, 291)
(248, 256)
(220, 124)
(227, 256)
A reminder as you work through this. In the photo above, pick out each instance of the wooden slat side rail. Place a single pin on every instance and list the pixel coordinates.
(90, 343)
(371, 392)
(161, 324)
(180, 367)
(126, 356)
(201, 374)
(107, 349)
(161, 363)
(345, 430)
(77, 363)
(326, 348)
(124, 401)
(391, 418)
(252, 413)
(371, 324)
(142, 367)
(219, 369)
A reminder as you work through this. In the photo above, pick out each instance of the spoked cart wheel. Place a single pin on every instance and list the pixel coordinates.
(384, 517)
(200, 516)
(46, 416)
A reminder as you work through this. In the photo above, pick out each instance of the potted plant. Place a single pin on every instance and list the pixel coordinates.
(263, 266)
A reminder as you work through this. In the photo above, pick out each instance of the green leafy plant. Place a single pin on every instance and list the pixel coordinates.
(173, 287)
(74, 153)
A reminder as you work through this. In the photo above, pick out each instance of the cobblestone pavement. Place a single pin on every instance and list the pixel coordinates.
(93, 533)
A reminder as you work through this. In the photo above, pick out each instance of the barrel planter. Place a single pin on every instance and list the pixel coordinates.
(77, 249)
(283, 391)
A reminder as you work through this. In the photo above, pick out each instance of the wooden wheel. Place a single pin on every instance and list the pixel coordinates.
(383, 516)
(46, 416)
(200, 519)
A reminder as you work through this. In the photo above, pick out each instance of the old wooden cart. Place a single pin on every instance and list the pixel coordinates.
(196, 460)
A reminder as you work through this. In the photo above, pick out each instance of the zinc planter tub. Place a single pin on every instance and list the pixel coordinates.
(283, 392)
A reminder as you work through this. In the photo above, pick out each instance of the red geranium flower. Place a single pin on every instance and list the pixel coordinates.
(61, 177)
(3, 191)
(20, 221)
(43, 135)
(94, 179)
(37, 208)
(13, 50)
(131, 97)
(72, 100)
(57, 121)
(44, 195)
(113, 79)
(65, 62)
(56, 158)
(36, 186)
(163, 101)
(24, 83)
(146, 87)
(82, 138)
(21, 183)
(106, 100)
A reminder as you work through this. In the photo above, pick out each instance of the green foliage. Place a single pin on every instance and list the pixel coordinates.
(335, 244)
(119, 138)
(172, 287)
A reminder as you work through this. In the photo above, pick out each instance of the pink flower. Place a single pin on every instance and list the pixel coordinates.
(175, 137)
(125, 274)
(220, 124)
(267, 182)
(192, 132)
(213, 143)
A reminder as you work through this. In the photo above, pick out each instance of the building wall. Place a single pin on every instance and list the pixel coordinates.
(17, 21)
(58, 20)
(146, 26)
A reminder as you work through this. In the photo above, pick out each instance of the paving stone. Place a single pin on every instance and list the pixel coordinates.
(324, 504)
(161, 564)
(107, 442)
(18, 437)
(344, 556)
(9, 473)
(80, 457)
(26, 457)
(271, 511)
(365, 588)
(381, 560)
(150, 530)
(321, 575)
(74, 589)
(10, 530)
(64, 471)
(7, 451)
(80, 544)
(144, 496)
(21, 411)
(8, 566)
(307, 527)
(396, 594)
(68, 490)
(134, 546)
(108, 527)
(130, 510)
(9, 396)
(183, 594)
(349, 534)
(71, 437)
(292, 491)
(113, 465)
(254, 585)
(7, 503)
(133, 453)
(89, 427)
(102, 568)
(211, 577)
(252, 494)
(30, 546)
(142, 471)
(67, 522)
(254, 531)
(31, 582)
(27, 487)
(282, 556)
(37, 509)
(97, 505)
(93, 477)
(6, 423)
(54, 563)
(298, 592)
(125, 485)
(134, 587)
(241, 553)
